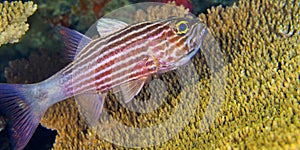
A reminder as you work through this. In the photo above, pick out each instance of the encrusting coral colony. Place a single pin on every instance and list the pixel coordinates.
(13, 19)
(260, 39)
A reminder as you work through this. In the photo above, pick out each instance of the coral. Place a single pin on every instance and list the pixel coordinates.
(261, 108)
(201, 5)
(13, 20)
(185, 3)
(151, 12)
(35, 72)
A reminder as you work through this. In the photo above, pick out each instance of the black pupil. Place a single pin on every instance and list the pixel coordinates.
(182, 27)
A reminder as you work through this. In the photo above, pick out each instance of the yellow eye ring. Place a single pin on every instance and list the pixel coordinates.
(182, 27)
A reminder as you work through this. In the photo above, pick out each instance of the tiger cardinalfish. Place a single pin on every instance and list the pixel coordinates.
(120, 60)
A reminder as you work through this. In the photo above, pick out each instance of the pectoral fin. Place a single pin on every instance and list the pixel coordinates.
(131, 89)
(90, 106)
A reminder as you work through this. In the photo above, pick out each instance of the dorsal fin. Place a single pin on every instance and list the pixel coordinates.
(73, 41)
(106, 26)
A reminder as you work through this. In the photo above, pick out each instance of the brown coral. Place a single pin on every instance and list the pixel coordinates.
(13, 20)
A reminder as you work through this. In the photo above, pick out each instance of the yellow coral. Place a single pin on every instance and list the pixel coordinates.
(261, 109)
(13, 20)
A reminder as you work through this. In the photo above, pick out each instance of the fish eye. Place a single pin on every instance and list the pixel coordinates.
(182, 27)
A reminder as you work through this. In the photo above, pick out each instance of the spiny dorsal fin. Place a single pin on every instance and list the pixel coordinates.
(106, 26)
(73, 41)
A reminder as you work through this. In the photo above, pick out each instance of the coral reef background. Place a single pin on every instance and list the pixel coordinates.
(261, 109)
(13, 25)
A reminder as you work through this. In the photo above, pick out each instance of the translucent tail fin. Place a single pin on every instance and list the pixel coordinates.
(22, 111)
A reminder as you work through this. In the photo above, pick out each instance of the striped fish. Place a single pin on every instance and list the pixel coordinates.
(120, 60)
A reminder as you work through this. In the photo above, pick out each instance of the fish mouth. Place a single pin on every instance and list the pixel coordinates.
(196, 36)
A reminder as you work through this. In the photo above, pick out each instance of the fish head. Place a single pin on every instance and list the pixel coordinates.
(183, 40)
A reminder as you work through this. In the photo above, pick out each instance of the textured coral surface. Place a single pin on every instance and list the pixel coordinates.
(13, 18)
(261, 108)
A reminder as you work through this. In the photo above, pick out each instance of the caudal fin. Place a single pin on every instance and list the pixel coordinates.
(22, 112)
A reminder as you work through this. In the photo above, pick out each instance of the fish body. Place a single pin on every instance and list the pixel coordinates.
(121, 60)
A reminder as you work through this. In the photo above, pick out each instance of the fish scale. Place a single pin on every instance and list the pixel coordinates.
(102, 63)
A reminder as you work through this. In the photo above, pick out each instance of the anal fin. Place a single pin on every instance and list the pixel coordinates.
(90, 106)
